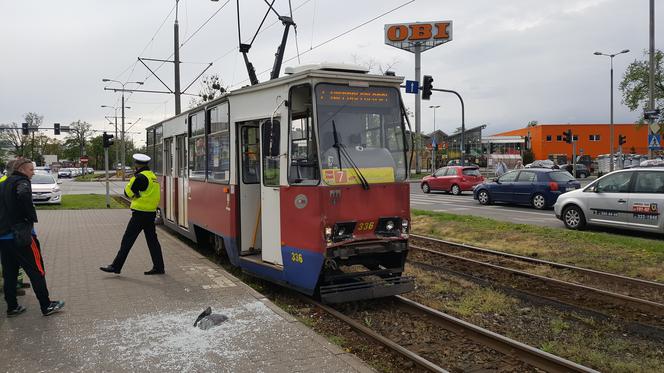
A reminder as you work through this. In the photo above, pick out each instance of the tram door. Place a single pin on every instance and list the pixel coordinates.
(249, 179)
(169, 202)
(271, 212)
(182, 185)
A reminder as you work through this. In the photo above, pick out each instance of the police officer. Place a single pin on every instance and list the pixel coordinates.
(19, 247)
(143, 189)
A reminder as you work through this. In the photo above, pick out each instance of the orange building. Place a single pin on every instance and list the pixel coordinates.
(592, 139)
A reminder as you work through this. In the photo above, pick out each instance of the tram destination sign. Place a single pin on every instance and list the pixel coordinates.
(355, 96)
(425, 35)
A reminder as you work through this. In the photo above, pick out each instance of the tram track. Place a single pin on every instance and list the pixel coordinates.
(587, 289)
(460, 346)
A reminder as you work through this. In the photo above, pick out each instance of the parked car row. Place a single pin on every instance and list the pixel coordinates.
(629, 198)
(74, 171)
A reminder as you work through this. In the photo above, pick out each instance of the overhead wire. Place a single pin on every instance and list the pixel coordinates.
(340, 35)
(297, 47)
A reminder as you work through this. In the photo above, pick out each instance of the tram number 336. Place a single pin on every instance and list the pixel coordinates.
(365, 226)
(296, 258)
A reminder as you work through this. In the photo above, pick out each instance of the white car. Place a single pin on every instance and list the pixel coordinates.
(45, 190)
(628, 199)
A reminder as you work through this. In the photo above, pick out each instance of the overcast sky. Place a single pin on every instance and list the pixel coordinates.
(512, 61)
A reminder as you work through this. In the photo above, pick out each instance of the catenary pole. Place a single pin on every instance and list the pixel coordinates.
(651, 80)
(176, 60)
(418, 109)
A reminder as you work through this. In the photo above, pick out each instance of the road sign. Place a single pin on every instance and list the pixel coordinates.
(412, 86)
(654, 142)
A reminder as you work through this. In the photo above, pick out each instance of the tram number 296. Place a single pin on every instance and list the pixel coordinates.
(296, 258)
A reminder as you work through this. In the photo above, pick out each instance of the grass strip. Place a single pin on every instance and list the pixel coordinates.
(82, 202)
(631, 256)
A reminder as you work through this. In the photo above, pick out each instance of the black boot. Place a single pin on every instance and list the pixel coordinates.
(110, 269)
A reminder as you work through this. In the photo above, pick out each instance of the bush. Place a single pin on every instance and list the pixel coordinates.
(528, 156)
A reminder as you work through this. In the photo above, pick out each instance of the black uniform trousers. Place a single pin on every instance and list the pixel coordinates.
(29, 258)
(140, 221)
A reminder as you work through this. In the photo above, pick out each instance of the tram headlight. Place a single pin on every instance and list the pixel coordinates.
(404, 226)
(389, 225)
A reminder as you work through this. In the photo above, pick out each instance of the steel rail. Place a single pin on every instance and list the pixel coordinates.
(613, 276)
(500, 343)
(641, 304)
(410, 355)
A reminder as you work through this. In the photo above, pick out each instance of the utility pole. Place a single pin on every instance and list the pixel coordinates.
(176, 60)
(651, 81)
(418, 120)
(122, 140)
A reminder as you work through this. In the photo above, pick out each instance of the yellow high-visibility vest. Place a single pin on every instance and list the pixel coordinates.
(147, 200)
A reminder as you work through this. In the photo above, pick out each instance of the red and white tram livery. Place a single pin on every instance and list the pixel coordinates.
(300, 180)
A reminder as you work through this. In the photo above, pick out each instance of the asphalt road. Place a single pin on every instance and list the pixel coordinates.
(69, 186)
(464, 204)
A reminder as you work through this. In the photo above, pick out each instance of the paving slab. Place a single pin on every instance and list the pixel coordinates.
(132, 322)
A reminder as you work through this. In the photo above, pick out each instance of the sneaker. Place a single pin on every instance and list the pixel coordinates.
(154, 271)
(54, 307)
(16, 311)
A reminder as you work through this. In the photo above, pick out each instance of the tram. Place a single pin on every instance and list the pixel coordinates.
(300, 180)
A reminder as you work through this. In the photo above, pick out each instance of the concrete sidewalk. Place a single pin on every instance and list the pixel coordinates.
(132, 322)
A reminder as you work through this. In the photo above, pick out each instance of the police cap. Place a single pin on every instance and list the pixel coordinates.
(141, 158)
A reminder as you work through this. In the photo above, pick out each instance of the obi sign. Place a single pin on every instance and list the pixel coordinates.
(425, 35)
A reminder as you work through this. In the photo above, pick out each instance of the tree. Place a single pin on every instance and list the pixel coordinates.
(11, 134)
(634, 85)
(532, 123)
(211, 88)
(34, 121)
(374, 65)
(78, 133)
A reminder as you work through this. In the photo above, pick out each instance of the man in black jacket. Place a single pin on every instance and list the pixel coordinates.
(19, 246)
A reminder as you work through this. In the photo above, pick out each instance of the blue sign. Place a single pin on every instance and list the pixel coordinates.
(654, 142)
(412, 86)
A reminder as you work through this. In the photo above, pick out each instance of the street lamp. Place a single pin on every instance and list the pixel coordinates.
(115, 117)
(122, 138)
(433, 136)
(611, 124)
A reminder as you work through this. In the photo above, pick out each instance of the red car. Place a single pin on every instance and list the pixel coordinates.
(453, 179)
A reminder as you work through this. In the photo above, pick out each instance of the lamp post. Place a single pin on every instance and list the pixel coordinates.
(434, 142)
(115, 116)
(611, 124)
(122, 137)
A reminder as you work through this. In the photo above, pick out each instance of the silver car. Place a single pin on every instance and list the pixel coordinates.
(625, 199)
(45, 190)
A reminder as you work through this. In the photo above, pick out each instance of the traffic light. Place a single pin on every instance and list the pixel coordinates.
(622, 139)
(25, 129)
(56, 128)
(107, 140)
(567, 136)
(426, 87)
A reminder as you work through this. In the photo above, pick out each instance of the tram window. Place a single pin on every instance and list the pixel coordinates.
(158, 154)
(250, 155)
(270, 139)
(219, 159)
(197, 146)
(303, 151)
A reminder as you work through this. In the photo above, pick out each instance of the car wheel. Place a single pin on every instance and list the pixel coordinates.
(483, 197)
(573, 218)
(426, 188)
(583, 175)
(456, 190)
(538, 201)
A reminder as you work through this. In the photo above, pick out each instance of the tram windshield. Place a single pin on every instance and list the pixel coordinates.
(366, 125)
